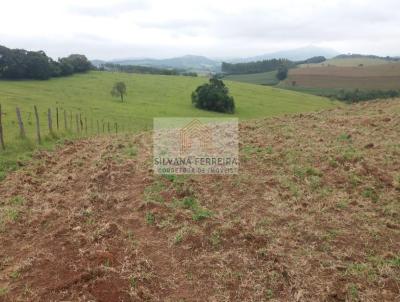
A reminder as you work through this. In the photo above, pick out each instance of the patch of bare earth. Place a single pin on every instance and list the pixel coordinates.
(382, 76)
(314, 215)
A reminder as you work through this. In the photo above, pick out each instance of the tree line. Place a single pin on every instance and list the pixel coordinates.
(359, 56)
(24, 64)
(266, 65)
(358, 95)
(255, 67)
(144, 69)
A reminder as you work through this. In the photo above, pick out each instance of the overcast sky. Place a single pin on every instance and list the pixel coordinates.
(107, 29)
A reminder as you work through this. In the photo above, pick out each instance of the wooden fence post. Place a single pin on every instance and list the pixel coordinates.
(77, 123)
(1, 129)
(80, 122)
(20, 124)
(49, 120)
(37, 125)
(65, 120)
(58, 127)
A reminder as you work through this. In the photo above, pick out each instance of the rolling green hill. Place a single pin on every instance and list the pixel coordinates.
(263, 78)
(349, 62)
(148, 96)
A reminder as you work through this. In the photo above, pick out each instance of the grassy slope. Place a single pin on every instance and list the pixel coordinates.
(263, 78)
(148, 96)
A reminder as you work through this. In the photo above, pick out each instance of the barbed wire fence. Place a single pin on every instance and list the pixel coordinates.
(58, 122)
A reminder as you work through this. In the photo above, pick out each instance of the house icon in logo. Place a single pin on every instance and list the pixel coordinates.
(196, 134)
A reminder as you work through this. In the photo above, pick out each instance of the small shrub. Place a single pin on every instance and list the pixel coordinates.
(215, 239)
(200, 214)
(269, 294)
(15, 275)
(343, 204)
(150, 219)
(131, 151)
(3, 291)
(354, 179)
(315, 182)
(152, 192)
(397, 182)
(269, 150)
(132, 282)
(395, 261)
(353, 292)
(189, 203)
(12, 215)
(344, 137)
(180, 235)
(351, 155)
(170, 177)
(371, 194)
(302, 172)
(333, 163)
(17, 201)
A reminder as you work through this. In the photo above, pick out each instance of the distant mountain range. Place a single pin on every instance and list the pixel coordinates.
(297, 54)
(204, 64)
(188, 62)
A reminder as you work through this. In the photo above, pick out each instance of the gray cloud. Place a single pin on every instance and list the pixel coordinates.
(143, 28)
(326, 24)
(174, 24)
(111, 9)
(177, 27)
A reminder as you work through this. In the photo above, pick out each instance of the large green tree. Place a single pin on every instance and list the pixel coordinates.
(23, 64)
(79, 62)
(213, 96)
(38, 65)
(282, 73)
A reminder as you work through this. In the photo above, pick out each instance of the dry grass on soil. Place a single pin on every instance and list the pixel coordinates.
(312, 216)
(385, 76)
